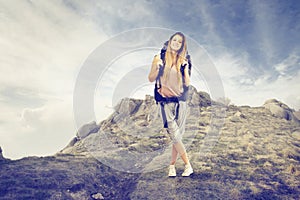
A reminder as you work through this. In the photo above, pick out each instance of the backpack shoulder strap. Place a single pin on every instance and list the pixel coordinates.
(162, 57)
(163, 51)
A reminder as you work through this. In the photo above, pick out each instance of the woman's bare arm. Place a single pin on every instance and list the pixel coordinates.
(154, 68)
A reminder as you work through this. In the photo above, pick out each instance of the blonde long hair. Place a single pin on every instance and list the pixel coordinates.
(180, 57)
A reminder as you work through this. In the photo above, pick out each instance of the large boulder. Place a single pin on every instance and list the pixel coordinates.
(87, 129)
(128, 106)
(297, 114)
(280, 109)
(196, 98)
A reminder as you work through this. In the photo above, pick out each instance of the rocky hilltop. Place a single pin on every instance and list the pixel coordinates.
(237, 152)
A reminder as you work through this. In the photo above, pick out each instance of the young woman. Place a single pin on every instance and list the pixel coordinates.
(172, 85)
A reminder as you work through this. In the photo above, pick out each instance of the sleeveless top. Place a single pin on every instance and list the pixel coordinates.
(171, 87)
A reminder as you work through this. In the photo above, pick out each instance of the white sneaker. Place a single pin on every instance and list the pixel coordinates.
(188, 170)
(172, 171)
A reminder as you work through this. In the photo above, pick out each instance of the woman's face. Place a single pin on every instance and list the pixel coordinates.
(176, 42)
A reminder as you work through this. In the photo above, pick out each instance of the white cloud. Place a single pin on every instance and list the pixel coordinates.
(43, 45)
(288, 64)
(230, 66)
(32, 117)
(38, 131)
(245, 88)
(285, 89)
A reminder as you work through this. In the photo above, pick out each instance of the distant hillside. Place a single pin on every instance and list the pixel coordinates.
(237, 152)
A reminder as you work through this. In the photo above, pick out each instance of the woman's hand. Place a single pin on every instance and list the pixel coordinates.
(185, 63)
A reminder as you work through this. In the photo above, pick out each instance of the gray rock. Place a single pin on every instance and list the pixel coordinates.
(296, 135)
(97, 196)
(240, 115)
(237, 117)
(297, 114)
(87, 129)
(128, 106)
(280, 110)
(196, 99)
(70, 145)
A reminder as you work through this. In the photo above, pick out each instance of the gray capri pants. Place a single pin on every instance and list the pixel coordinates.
(174, 114)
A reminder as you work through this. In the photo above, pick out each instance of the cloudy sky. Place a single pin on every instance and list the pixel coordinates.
(254, 45)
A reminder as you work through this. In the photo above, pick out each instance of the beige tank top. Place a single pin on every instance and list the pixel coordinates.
(171, 87)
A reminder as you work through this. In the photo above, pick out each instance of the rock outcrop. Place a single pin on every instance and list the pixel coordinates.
(237, 152)
(281, 110)
(297, 114)
(87, 129)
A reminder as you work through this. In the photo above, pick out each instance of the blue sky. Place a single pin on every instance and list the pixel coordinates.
(254, 45)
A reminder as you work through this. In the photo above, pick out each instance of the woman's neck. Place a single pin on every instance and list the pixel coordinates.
(173, 52)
